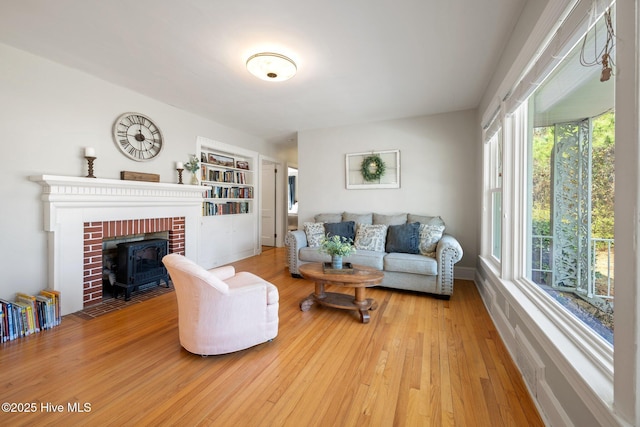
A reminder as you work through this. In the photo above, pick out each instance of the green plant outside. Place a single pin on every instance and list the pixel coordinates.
(603, 177)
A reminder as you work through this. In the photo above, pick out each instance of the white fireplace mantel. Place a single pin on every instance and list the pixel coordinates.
(69, 202)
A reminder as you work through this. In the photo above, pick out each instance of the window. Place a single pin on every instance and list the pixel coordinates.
(494, 148)
(571, 150)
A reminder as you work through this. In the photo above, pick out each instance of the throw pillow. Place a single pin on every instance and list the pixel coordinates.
(358, 218)
(371, 237)
(344, 229)
(398, 219)
(314, 232)
(328, 217)
(422, 219)
(430, 235)
(404, 238)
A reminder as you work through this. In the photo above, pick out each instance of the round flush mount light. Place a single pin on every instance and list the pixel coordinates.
(271, 67)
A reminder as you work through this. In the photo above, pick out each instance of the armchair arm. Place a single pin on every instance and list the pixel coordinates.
(448, 252)
(224, 272)
(295, 240)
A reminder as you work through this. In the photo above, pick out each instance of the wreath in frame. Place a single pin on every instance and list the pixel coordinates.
(372, 168)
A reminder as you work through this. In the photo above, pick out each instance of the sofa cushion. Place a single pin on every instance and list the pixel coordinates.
(403, 238)
(358, 218)
(409, 263)
(362, 257)
(423, 219)
(308, 254)
(371, 237)
(346, 229)
(328, 217)
(397, 219)
(430, 235)
(314, 232)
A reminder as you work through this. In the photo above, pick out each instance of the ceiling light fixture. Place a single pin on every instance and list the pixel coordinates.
(271, 67)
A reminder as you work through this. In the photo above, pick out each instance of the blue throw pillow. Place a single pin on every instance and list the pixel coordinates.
(404, 238)
(345, 229)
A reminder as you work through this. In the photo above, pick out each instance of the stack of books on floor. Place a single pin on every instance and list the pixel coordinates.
(29, 314)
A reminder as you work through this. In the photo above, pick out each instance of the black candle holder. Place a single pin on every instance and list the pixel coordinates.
(90, 162)
(180, 176)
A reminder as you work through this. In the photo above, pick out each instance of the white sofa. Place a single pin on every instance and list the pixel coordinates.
(431, 274)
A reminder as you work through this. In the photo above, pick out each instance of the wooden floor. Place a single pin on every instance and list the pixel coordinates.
(420, 361)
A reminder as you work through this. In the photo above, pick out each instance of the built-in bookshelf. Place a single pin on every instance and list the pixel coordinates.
(29, 314)
(229, 225)
(230, 181)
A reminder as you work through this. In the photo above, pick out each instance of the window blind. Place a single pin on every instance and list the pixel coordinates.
(570, 30)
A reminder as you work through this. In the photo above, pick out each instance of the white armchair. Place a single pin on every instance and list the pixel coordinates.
(221, 311)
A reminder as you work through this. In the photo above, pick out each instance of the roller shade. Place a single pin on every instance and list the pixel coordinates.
(570, 31)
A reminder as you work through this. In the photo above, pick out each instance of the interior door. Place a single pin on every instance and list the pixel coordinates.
(268, 208)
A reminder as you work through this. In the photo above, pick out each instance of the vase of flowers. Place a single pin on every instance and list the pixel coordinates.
(337, 247)
(193, 165)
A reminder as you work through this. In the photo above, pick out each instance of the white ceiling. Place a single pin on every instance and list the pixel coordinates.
(358, 60)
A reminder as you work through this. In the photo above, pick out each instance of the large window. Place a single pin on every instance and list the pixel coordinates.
(571, 187)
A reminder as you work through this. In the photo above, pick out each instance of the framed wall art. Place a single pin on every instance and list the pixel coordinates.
(373, 169)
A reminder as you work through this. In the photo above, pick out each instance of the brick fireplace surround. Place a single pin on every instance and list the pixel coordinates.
(80, 212)
(96, 232)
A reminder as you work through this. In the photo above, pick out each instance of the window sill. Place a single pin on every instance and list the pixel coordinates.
(582, 356)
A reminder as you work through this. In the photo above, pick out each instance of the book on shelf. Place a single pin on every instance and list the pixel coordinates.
(212, 209)
(221, 192)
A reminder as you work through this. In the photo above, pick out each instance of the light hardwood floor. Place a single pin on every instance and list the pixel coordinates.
(420, 361)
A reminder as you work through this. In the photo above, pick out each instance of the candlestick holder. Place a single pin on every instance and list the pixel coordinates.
(90, 164)
(179, 175)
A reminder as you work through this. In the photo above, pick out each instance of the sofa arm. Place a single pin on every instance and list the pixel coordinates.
(294, 241)
(448, 252)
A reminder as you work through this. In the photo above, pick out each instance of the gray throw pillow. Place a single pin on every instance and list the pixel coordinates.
(366, 218)
(397, 219)
(328, 217)
(404, 238)
(346, 229)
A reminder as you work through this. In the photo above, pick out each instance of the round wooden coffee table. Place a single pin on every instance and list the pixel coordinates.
(360, 278)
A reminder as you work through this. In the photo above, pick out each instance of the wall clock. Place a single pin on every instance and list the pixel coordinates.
(137, 136)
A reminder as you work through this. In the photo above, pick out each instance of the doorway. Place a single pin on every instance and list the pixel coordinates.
(268, 211)
(292, 198)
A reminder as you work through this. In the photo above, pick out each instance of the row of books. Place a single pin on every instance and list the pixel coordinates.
(210, 209)
(217, 192)
(29, 314)
(215, 175)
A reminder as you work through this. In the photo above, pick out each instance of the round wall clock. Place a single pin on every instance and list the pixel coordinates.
(137, 136)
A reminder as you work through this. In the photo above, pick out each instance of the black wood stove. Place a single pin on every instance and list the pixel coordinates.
(140, 265)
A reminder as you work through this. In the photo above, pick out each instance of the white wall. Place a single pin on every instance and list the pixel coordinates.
(48, 114)
(438, 171)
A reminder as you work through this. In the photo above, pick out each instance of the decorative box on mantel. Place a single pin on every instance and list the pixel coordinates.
(73, 203)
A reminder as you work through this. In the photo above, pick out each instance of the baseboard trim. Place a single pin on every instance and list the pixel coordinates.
(464, 273)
